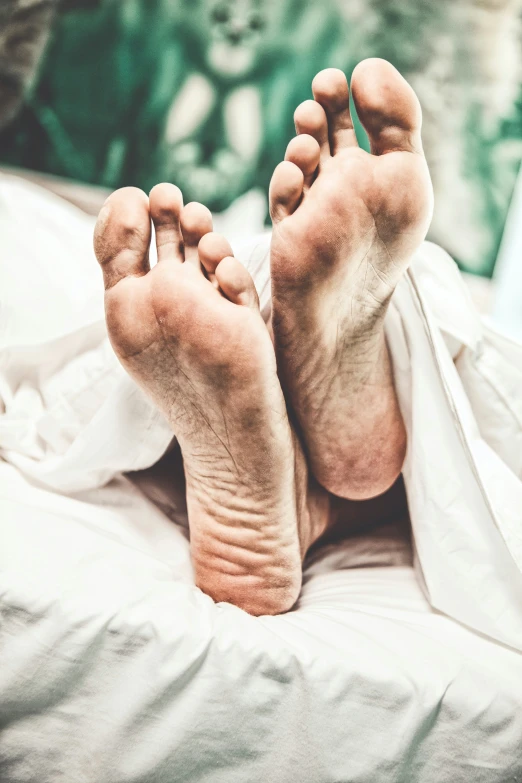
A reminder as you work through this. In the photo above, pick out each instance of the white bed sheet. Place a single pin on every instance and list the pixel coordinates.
(114, 667)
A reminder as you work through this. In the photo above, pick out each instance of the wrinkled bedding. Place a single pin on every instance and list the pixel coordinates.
(402, 659)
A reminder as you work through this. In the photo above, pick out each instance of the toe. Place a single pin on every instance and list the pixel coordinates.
(330, 89)
(387, 107)
(122, 236)
(286, 189)
(304, 151)
(310, 118)
(236, 283)
(211, 250)
(196, 221)
(166, 203)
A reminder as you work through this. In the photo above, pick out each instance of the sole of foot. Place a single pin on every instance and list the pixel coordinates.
(190, 333)
(346, 224)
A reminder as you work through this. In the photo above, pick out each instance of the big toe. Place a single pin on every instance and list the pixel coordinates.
(387, 107)
(122, 236)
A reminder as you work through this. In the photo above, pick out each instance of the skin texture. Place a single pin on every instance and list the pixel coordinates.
(198, 346)
(346, 225)
(190, 333)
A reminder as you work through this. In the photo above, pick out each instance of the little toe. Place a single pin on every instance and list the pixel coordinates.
(387, 107)
(286, 190)
(196, 221)
(122, 236)
(236, 283)
(166, 203)
(310, 118)
(212, 249)
(304, 152)
(330, 89)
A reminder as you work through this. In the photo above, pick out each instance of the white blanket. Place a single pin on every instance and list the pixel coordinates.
(114, 667)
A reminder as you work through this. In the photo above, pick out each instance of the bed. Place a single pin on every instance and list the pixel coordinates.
(401, 661)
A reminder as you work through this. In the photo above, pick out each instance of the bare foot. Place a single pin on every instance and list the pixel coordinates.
(199, 348)
(346, 224)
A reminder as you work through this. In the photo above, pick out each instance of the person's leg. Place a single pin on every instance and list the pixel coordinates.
(346, 224)
(199, 348)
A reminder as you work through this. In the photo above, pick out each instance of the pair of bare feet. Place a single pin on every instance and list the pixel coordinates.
(189, 331)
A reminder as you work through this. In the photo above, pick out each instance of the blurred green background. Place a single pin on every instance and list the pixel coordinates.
(202, 93)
